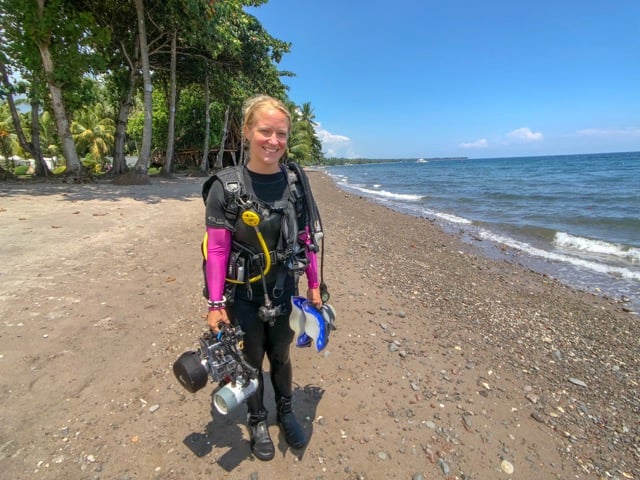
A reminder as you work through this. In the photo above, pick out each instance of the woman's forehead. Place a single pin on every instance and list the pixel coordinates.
(271, 116)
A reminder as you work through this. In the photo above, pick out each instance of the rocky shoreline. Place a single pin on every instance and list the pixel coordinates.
(565, 363)
(445, 364)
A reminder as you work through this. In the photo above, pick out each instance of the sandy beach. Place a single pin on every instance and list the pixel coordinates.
(445, 364)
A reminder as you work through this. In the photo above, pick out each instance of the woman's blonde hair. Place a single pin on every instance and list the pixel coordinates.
(260, 102)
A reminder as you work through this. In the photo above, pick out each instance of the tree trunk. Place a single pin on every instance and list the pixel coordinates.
(15, 118)
(124, 108)
(224, 138)
(42, 169)
(120, 136)
(204, 165)
(60, 114)
(142, 165)
(166, 169)
(57, 103)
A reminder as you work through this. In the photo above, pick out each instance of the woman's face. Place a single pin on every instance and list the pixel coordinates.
(267, 136)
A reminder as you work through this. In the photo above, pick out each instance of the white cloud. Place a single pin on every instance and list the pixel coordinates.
(481, 143)
(525, 134)
(335, 145)
(611, 132)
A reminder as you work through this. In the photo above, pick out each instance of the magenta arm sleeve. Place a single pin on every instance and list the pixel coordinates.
(218, 247)
(312, 268)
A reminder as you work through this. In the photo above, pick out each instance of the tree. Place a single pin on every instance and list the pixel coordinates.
(93, 131)
(121, 73)
(33, 147)
(48, 135)
(307, 117)
(8, 140)
(7, 90)
(166, 170)
(186, 46)
(144, 154)
(53, 37)
(303, 145)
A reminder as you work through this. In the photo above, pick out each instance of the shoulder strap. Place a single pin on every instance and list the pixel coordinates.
(231, 178)
(312, 213)
(233, 185)
(314, 222)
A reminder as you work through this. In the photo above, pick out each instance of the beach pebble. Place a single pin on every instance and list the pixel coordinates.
(506, 467)
(578, 382)
(466, 421)
(532, 397)
(538, 417)
(444, 466)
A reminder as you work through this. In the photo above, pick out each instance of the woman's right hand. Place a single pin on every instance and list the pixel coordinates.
(216, 317)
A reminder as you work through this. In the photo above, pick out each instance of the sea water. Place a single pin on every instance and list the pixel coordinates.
(574, 217)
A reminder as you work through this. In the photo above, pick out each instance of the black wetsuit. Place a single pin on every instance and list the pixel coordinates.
(260, 337)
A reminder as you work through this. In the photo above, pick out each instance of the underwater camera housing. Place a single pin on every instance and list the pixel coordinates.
(219, 358)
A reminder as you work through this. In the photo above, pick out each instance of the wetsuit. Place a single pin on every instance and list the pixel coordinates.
(260, 337)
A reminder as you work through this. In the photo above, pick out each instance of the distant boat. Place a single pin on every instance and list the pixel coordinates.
(422, 160)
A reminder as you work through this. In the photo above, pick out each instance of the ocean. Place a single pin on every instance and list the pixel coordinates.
(573, 217)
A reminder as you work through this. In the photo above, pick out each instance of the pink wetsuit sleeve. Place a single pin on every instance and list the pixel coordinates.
(312, 268)
(218, 247)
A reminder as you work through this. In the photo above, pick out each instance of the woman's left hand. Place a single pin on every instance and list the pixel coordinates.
(313, 295)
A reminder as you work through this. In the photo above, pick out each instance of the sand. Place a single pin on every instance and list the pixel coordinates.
(445, 364)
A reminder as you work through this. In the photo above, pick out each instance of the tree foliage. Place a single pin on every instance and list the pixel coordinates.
(89, 76)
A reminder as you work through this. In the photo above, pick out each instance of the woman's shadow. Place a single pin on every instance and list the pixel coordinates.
(226, 431)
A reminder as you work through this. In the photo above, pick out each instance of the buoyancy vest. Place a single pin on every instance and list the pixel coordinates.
(281, 223)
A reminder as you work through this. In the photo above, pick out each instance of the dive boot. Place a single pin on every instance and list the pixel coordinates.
(260, 441)
(293, 432)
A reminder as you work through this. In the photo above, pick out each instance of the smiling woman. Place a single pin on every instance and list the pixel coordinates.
(260, 238)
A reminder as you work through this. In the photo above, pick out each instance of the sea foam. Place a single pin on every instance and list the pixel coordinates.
(600, 247)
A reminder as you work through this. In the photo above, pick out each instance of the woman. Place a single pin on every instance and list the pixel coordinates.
(259, 297)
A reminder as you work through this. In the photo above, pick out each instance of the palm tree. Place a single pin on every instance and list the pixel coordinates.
(307, 115)
(48, 135)
(304, 146)
(93, 132)
(9, 144)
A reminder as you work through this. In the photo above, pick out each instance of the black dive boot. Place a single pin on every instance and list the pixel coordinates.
(260, 441)
(293, 432)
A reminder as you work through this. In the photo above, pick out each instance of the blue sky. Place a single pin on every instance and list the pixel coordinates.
(439, 78)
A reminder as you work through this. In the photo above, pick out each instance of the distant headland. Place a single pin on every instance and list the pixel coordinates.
(357, 161)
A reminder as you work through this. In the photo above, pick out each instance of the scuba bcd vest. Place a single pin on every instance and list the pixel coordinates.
(267, 236)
